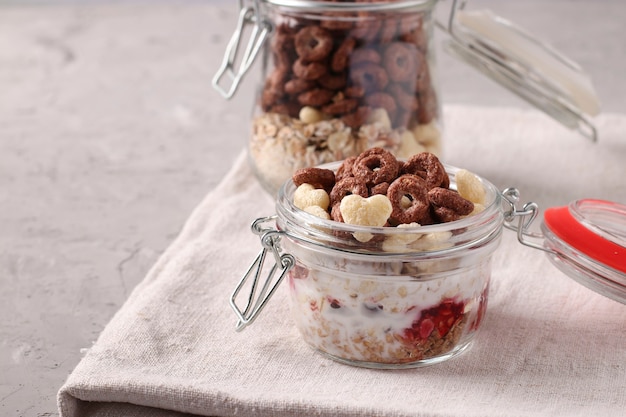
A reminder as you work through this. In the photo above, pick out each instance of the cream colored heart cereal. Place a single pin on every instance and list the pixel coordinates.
(318, 211)
(307, 195)
(400, 243)
(470, 187)
(370, 211)
(433, 241)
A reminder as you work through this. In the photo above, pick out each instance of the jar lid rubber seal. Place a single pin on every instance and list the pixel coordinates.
(587, 239)
(580, 231)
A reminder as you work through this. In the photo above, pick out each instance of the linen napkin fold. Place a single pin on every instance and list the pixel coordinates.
(548, 346)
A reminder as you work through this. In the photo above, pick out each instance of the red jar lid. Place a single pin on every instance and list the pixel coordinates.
(587, 239)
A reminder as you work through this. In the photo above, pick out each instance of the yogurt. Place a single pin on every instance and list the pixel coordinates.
(379, 320)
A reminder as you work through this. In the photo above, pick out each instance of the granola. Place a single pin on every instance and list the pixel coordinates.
(280, 144)
(387, 323)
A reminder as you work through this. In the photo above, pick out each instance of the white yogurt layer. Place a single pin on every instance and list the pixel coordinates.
(365, 318)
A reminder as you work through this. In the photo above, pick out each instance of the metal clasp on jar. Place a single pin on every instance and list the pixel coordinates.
(249, 17)
(525, 216)
(261, 292)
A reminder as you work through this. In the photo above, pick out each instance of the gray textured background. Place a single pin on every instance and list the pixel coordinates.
(110, 134)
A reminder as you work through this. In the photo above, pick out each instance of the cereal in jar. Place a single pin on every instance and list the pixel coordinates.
(389, 262)
(342, 77)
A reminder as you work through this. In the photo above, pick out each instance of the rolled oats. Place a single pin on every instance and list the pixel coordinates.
(281, 144)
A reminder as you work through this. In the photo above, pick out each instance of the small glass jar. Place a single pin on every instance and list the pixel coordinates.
(384, 297)
(341, 77)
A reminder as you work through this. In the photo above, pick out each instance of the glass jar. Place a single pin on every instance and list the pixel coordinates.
(381, 297)
(341, 77)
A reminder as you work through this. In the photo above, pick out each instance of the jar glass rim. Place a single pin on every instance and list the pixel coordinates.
(352, 6)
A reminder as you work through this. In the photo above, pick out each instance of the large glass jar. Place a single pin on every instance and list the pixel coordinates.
(340, 77)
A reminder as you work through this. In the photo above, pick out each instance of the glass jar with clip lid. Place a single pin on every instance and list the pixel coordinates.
(406, 297)
(339, 77)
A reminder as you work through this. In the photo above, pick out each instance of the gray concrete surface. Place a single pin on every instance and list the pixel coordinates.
(110, 134)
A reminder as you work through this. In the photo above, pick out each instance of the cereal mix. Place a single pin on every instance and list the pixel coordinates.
(418, 310)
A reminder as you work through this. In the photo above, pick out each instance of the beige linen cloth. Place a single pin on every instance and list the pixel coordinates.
(548, 347)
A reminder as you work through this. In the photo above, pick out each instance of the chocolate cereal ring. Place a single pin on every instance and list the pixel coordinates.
(379, 189)
(401, 61)
(298, 85)
(427, 166)
(417, 38)
(362, 55)
(423, 81)
(357, 118)
(428, 107)
(313, 43)
(269, 98)
(405, 100)
(414, 188)
(315, 97)
(276, 79)
(347, 186)
(333, 81)
(389, 30)
(354, 92)
(335, 213)
(340, 107)
(411, 23)
(375, 165)
(448, 205)
(339, 61)
(290, 107)
(317, 177)
(283, 45)
(366, 27)
(308, 71)
(345, 169)
(370, 76)
(412, 31)
(383, 100)
(273, 89)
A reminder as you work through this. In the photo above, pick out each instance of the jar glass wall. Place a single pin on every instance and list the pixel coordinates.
(341, 77)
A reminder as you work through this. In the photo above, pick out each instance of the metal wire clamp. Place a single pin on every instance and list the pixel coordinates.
(525, 217)
(260, 293)
(249, 16)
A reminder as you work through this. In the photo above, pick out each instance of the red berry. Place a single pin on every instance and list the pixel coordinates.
(440, 318)
(426, 328)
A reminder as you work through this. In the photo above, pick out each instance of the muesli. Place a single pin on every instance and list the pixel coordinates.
(356, 309)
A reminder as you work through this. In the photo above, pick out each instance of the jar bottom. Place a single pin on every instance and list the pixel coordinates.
(454, 352)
